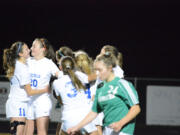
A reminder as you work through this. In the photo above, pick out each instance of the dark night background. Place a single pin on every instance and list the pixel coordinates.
(146, 32)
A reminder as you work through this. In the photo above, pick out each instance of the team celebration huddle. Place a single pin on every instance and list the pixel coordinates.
(94, 96)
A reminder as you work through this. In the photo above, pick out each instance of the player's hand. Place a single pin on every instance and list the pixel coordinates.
(116, 126)
(72, 131)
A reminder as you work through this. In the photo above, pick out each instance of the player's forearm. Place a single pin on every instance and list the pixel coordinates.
(32, 92)
(36, 92)
(133, 112)
(89, 117)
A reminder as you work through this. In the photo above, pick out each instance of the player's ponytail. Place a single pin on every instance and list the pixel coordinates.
(111, 50)
(120, 59)
(10, 56)
(68, 67)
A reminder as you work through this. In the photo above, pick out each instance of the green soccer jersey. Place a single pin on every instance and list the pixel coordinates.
(114, 99)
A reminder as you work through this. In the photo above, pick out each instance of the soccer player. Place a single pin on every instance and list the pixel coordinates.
(74, 96)
(115, 97)
(15, 65)
(42, 68)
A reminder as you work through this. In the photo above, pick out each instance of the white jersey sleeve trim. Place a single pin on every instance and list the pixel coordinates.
(130, 91)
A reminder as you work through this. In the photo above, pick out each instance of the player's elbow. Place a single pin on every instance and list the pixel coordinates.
(138, 108)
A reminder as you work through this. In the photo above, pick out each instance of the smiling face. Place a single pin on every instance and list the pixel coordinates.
(37, 50)
(25, 52)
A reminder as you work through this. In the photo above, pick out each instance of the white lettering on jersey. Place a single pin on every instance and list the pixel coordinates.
(111, 94)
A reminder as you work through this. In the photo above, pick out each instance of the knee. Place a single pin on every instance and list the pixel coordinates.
(14, 125)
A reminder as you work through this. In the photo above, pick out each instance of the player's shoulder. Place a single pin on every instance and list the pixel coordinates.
(82, 76)
(20, 67)
(56, 81)
(124, 81)
(79, 73)
(63, 79)
(47, 60)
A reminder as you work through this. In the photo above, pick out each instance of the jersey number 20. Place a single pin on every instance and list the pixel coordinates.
(34, 82)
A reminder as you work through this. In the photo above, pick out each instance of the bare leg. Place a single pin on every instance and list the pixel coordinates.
(99, 129)
(20, 128)
(25, 128)
(29, 129)
(42, 125)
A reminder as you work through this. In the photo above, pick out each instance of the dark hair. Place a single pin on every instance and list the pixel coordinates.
(49, 51)
(68, 66)
(111, 49)
(10, 56)
(64, 51)
(114, 51)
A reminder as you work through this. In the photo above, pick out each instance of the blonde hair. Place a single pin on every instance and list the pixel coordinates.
(84, 62)
(120, 59)
(107, 58)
